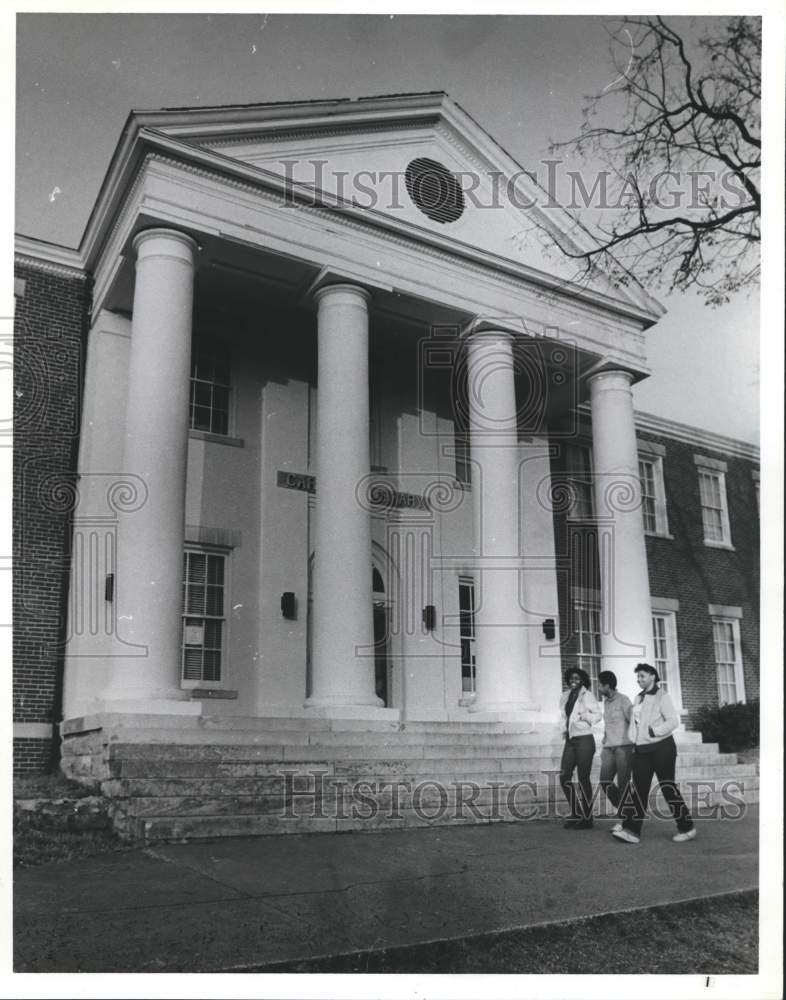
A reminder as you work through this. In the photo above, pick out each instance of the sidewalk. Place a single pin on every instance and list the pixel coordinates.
(238, 903)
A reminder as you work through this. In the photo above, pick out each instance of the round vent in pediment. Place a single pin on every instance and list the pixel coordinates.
(434, 189)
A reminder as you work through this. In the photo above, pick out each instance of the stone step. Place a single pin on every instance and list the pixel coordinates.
(274, 783)
(365, 801)
(178, 828)
(142, 767)
(345, 752)
(170, 737)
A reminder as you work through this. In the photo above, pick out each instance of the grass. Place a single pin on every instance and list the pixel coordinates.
(35, 845)
(48, 786)
(37, 839)
(712, 936)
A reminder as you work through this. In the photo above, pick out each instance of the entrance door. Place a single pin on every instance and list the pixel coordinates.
(381, 659)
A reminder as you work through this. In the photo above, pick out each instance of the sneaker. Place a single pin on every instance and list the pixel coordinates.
(616, 828)
(626, 835)
(680, 838)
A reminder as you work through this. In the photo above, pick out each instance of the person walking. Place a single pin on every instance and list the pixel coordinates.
(579, 712)
(617, 749)
(653, 720)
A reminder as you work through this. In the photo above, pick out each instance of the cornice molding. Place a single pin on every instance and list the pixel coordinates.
(649, 423)
(274, 187)
(49, 257)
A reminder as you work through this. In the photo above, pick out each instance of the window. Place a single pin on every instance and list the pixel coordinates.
(204, 621)
(210, 387)
(653, 495)
(463, 464)
(578, 461)
(728, 660)
(664, 639)
(467, 633)
(587, 630)
(712, 495)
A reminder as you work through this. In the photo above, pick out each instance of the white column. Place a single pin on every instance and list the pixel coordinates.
(149, 577)
(501, 668)
(626, 616)
(342, 624)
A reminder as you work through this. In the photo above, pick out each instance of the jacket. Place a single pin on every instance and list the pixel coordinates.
(656, 711)
(586, 714)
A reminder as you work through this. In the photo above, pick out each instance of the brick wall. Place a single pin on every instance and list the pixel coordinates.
(32, 755)
(49, 334)
(698, 575)
(683, 567)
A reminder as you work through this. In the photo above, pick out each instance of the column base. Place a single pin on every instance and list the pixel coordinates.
(507, 712)
(373, 712)
(146, 706)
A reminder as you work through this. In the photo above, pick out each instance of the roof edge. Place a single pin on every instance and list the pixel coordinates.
(51, 255)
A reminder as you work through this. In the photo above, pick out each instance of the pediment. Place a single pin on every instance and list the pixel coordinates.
(417, 162)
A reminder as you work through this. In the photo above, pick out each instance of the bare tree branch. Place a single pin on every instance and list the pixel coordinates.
(685, 106)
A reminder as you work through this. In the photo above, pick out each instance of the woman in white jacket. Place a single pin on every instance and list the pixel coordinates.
(578, 713)
(653, 720)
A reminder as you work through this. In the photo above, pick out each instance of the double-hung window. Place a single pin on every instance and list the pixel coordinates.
(653, 492)
(204, 618)
(666, 650)
(587, 631)
(712, 497)
(578, 462)
(467, 633)
(728, 657)
(210, 386)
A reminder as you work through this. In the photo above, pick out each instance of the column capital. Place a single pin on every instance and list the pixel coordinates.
(500, 326)
(611, 378)
(177, 243)
(344, 288)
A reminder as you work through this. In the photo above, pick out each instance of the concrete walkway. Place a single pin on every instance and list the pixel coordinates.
(239, 903)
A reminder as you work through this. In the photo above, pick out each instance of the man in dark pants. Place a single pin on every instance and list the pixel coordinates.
(617, 749)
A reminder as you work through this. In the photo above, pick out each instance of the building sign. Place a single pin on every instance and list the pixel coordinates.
(380, 494)
(296, 481)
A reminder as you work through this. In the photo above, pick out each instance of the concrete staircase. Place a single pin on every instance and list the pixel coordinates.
(181, 778)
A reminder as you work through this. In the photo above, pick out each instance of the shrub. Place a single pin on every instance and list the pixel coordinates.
(732, 727)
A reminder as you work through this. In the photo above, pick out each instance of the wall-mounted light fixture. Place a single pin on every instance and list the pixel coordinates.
(429, 617)
(549, 628)
(109, 587)
(288, 605)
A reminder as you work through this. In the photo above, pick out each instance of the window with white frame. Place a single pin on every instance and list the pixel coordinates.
(204, 617)
(587, 630)
(728, 660)
(653, 495)
(664, 639)
(210, 386)
(714, 509)
(467, 633)
(578, 461)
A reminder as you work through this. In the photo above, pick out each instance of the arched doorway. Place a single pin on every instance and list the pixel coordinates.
(382, 678)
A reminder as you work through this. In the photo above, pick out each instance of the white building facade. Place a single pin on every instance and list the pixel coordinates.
(333, 353)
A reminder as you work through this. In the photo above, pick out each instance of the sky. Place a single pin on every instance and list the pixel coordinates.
(521, 77)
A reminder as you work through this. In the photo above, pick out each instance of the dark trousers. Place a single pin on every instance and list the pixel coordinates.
(658, 760)
(615, 761)
(577, 755)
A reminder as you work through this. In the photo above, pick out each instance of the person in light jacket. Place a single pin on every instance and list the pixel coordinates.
(578, 713)
(653, 720)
